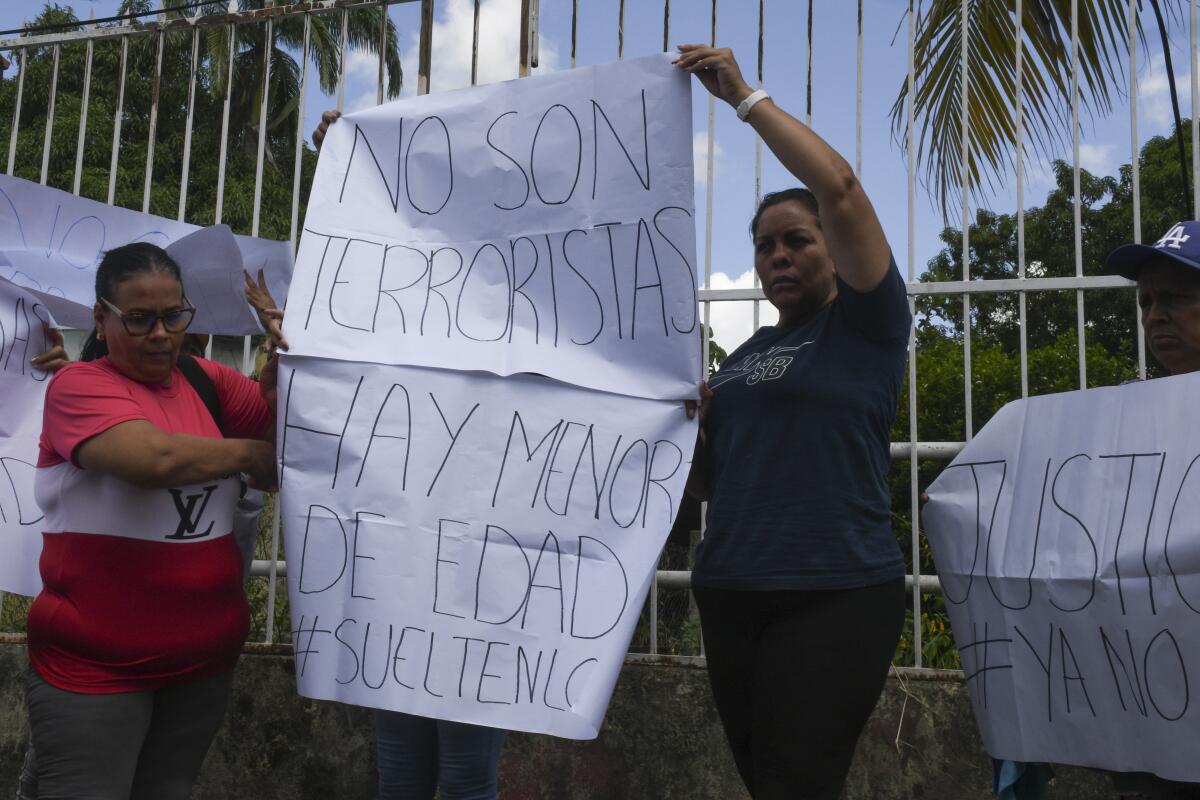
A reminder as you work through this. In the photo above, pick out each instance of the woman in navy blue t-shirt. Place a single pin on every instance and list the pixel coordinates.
(799, 580)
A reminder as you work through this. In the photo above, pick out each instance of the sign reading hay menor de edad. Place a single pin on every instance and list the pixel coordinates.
(1067, 540)
(471, 547)
(542, 225)
(465, 541)
(22, 388)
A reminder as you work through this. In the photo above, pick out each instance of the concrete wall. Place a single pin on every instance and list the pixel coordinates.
(661, 739)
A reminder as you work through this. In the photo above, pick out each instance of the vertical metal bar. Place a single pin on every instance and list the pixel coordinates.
(263, 117)
(1079, 313)
(708, 224)
(425, 51)
(225, 120)
(273, 567)
(1195, 118)
(247, 360)
(187, 133)
(858, 95)
(153, 124)
(298, 161)
(535, 10)
(343, 35)
(666, 24)
(383, 25)
(913, 474)
(965, 174)
(808, 74)
(910, 143)
(620, 29)
(50, 116)
(574, 29)
(755, 305)
(83, 115)
(475, 47)
(118, 113)
(523, 51)
(654, 614)
(1136, 167)
(1019, 112)
(16, 123)
(708, 194)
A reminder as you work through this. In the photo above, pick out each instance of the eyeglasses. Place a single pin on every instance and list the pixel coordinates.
(140, 323)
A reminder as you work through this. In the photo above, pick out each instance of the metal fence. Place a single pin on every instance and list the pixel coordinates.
(669, 596)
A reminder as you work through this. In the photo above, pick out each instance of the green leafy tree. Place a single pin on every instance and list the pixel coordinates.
(171, 110)
(1051, 327)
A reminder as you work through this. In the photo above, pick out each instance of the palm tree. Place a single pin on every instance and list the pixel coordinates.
(991, 29)
(365, 26)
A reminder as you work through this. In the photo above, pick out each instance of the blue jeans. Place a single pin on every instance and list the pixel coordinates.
(418, 755)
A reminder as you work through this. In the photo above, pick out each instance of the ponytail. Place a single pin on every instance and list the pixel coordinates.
(93, 347)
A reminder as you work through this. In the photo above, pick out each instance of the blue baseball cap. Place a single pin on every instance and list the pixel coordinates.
(1181, 244)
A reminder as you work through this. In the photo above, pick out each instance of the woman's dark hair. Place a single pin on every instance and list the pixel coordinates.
(121, 264)
(800, 195)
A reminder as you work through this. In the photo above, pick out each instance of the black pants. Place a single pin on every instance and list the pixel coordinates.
(795, 675)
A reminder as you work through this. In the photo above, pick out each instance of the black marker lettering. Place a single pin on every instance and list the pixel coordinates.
(515, 163)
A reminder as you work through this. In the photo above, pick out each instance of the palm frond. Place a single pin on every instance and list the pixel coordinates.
(991, 27)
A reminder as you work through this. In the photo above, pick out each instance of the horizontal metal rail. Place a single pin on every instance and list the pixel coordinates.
(189, 23)
(927, 451)
(959, 288)
(667, 578)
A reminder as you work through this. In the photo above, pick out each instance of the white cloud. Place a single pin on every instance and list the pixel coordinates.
(733, 320)
(453, 30)
(1154, 94)
(1039, 178)
(1098, 158)
(362, 75)
(700, 157)
(499, 40)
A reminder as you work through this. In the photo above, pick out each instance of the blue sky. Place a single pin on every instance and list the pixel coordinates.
(1106, 142)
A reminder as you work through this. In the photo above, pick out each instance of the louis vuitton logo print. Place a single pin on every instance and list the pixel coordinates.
(187, 522)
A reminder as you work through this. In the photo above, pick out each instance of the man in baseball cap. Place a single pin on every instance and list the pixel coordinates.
(1168, 278)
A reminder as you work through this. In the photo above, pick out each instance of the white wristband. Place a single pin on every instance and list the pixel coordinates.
(752, 99)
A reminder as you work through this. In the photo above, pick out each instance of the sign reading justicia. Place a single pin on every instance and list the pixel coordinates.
(1067, 541)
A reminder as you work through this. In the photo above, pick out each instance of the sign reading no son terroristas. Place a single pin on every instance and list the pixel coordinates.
(542, 225)
(466, 540)
(1067, 541)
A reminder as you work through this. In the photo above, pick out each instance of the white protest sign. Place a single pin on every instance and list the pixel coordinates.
(1067, 541)
(471, 547)
(22, 389)
(52, 241)
(208, 259)
(539, 225)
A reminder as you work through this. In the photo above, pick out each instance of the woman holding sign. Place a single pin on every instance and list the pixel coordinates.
(799, 580)
(141, 618)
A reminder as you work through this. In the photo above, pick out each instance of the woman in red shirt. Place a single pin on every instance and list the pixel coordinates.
(141, 618)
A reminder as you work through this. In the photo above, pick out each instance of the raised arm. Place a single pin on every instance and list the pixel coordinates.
(853, 234)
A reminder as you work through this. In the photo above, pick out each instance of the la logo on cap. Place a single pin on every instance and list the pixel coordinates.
(1173, 238)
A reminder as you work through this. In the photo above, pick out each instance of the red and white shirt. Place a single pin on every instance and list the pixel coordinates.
(142, 588)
